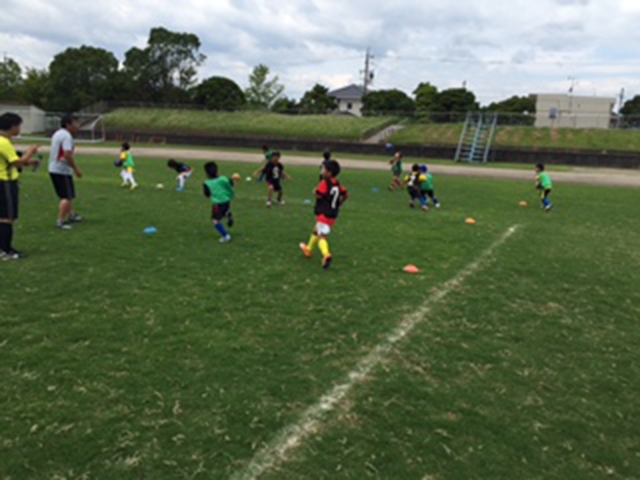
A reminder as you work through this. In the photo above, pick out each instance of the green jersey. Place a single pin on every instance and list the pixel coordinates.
(269, 156)
(544, 180)
(428, 184)
(127, 160)
(397, 168)
(219, 190)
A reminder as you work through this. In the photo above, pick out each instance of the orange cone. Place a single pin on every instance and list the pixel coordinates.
(470, 221)
(411, 269)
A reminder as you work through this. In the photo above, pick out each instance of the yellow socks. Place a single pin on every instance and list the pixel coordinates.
(324, 247)
(313, 243)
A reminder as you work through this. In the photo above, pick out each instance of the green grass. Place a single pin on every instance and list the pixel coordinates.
(525, 137)
(246, 124)
(125, 356)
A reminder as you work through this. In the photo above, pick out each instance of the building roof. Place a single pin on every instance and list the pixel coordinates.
(352, 92)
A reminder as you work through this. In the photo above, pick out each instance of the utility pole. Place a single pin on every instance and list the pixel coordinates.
(368, 73)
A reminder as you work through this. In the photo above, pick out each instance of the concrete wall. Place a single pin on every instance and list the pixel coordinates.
(565, 111)
(33, 119)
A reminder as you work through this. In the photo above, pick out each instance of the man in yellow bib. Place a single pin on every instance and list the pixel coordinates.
(10, 165)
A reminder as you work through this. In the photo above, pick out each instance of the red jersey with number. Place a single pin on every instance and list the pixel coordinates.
(330, 196)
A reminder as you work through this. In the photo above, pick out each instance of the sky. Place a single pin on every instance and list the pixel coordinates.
(498, 47)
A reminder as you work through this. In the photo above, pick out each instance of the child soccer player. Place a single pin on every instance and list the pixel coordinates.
(330, 196)
(274, 173)
(268, 158)
(545, 185)
(427, 187)
(220, 191)
(128, 167)
(414, 182)
(184, 173)
(396, 169)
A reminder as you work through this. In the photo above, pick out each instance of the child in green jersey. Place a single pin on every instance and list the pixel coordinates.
(545, 185)
(220, 191)
(427, 187)
(128, 167)
(396, 169)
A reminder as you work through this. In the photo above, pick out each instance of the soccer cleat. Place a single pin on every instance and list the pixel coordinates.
(179, 190)
(226, 239)
(230, 220)
(17, 255)
(305, 250)
(269, 204)
(425, 209)
(437, 205)
(281, 203)
(10, 256)
(133, 187)
(74, 218)
(326, 262)
(63, 226)
(548, 208)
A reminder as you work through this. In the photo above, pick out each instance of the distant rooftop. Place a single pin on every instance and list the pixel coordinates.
(352, 92)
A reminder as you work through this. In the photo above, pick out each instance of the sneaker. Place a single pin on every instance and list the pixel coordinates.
(548, 208)
(74, 218)
(63, 226)
(133, 187)
(437, 205)
(179, 190)
(305, 250)
(226, 239)
(9, 256)
(326, 262)
(17, 254)
(281, 203)
(269, 204)
(425, 209)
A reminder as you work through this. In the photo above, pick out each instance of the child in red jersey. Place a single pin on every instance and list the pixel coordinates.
(330, 196)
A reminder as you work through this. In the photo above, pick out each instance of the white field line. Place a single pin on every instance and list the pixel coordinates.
(280, 448)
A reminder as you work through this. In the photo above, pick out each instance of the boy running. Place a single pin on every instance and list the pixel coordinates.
(220, 191)
(545, 185)
(184, 172)
(128, 167)
(274, 173)
(427, 187)
(415, 180)
(268, 158)
(330, 196)
(396, 169)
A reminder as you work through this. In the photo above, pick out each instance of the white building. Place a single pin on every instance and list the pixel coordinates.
(569, 111)
(33, 119)
(349, 99)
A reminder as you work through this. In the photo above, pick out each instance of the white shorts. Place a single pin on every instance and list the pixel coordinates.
(322, 229)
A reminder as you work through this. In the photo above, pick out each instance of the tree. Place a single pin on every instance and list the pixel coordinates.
(219, 93)
(285, 105)
(514, 104)
(81, 76)
(10, 79)
(426, 98)
(166, 68)
(454, 103)
(383, 102)
(318, 101)
(631, 107)
(263, 92)
(36, 88)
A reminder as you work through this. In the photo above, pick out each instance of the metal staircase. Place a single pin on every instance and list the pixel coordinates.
(477, 137)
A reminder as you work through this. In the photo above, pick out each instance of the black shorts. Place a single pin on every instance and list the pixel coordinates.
(414, 193)
(9, 193)
(275, 185)
(220, 211)
(63, 185)
(545, 194)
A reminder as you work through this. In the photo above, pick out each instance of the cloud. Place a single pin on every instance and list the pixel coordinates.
(500, 47)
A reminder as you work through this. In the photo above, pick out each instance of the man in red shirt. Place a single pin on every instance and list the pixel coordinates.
(330, 196)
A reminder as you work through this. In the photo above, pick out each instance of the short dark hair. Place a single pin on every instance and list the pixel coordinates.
(277, 154)
(415, 167)
(326, 154)
(211, 169)
(265, 148)
(171, 163)
(126, 146)
(540, 166)
(67, 120)
(9, 121)
(333, 167)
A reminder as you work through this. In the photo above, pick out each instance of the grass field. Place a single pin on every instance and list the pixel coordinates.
(246, 124)
(525, 137)
(170, 357)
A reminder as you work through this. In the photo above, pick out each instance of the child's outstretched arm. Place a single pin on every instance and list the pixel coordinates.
(206, 191)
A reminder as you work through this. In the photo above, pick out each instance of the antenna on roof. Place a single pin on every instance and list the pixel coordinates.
(368, 73)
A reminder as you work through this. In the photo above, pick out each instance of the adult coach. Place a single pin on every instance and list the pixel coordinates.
(62, 167)
(10, 165)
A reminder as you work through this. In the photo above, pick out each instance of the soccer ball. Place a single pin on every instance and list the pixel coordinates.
(160, 186)
(524, 204)
(248, 179)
